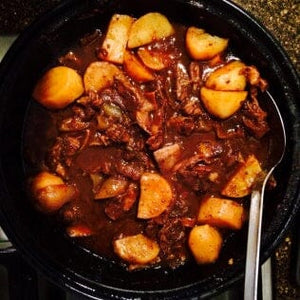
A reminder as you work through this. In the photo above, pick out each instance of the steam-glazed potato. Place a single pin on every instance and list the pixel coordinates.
(135, 68)
(136, 249)
(205, 243)
(228, 78)
(58, 87)
(114, 44)
(149, 28)
(155, 196)
(153, 59)
(241, 182)
(99, 75)
(203, 46)
(223, 213)
(222, 104)
(50, 192)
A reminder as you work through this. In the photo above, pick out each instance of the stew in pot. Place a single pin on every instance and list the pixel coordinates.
(151, 137)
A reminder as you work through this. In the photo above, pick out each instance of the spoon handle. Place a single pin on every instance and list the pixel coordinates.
(253, 247)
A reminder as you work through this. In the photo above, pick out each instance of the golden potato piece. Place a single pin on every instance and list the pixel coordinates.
(222, 104)
(114, 44)
(243, 179)
(205, 242)
(203, 46)
(155, 196)
(50, 192)
(136, 249)
(99, 75)
(149, 28)
(53, 197)
(45, 179)
(136, 69)
(153, 60)
(111, 187)
(58, 87)
(221, 213)
(228, 78)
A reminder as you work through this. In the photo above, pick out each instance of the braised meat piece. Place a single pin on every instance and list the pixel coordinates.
(183, 83)
(254, 117)
(117, 207)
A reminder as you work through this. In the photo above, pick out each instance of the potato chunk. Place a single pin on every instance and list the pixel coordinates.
(205, 243)
(45, 179)
(58, 87)
(155, 196)
(203, 46)
(149, 28)
(50, 193)
(136, 249)
(114, 44)
(135, 69)
(221, 213)
(243, 179)
(99, 75)
(222, 104)
(228, 78)
(153, 59)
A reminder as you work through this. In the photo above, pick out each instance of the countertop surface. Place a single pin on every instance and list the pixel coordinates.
(280, 17)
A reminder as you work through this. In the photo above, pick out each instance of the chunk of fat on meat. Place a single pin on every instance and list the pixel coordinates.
(167, 156)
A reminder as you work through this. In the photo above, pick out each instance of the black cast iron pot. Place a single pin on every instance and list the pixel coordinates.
(41, 242)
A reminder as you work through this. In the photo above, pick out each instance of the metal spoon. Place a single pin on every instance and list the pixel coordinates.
(277, 150)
